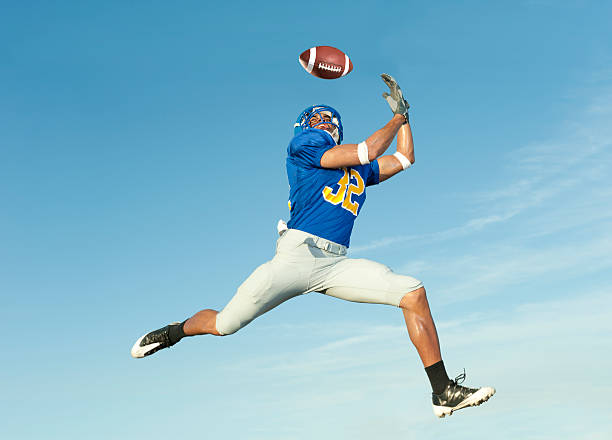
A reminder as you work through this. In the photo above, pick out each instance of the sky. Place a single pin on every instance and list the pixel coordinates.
(142, 149)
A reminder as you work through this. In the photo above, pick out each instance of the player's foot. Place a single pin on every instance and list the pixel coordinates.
(455, 397)
(152, 342)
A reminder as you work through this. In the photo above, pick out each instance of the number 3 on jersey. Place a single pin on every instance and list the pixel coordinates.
(345, 191)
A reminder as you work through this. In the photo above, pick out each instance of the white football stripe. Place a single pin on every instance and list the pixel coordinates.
(138, 351)
(346, 64)
(311, 59)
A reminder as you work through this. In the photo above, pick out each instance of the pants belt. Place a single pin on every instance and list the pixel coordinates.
(319, 242)
(329, 246)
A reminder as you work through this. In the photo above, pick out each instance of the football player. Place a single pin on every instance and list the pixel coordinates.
(328, 181)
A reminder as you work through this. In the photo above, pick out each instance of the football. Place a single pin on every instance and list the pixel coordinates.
(326, 62)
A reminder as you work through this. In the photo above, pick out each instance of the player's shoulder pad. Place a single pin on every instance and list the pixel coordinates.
(314, 137)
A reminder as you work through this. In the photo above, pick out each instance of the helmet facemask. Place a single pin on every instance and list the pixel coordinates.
(324, 115)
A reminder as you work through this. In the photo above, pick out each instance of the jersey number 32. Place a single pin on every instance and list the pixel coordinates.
(349, 184)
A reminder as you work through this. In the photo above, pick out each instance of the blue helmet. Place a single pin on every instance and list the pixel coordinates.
(303, 121)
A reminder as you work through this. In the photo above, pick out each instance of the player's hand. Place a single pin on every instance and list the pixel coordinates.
(395, 99)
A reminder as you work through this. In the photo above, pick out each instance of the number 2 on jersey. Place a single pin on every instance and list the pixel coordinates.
(346, 190)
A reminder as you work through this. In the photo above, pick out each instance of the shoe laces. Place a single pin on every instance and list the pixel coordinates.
(459, 379)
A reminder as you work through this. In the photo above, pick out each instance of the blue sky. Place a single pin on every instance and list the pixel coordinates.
(142, 174)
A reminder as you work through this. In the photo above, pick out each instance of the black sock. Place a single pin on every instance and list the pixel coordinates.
(437, 377)
(176, 333)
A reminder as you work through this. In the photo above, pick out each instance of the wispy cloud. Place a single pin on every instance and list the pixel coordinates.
(510, 266)
(471, 226)
(573, 316)
(334, 356)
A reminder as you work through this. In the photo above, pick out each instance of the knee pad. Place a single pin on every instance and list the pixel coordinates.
(227, 325)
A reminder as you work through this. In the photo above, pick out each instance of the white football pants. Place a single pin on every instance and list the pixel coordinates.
(305, 263)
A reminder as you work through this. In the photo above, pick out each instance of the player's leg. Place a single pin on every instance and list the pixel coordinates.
(246, 305)
(367, 281)
(201, 323)
(447, 395)
(360, 280)
(420, 325)
(272, 283)
(269, 286)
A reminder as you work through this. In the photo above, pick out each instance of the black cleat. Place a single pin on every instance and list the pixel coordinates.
(455, 397)
(152, 342)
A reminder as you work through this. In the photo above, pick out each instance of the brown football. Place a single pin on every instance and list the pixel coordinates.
(326, 62)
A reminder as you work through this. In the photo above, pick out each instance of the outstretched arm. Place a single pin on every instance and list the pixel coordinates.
(347, 155)
(389, 165)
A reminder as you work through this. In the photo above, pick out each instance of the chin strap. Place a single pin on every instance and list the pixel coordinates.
(335, 135)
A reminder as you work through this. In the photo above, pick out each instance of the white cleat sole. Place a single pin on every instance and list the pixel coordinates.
(480, 396)
(140, 352)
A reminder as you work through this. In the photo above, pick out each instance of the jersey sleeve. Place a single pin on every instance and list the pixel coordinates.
(373, 173)
(309, 147)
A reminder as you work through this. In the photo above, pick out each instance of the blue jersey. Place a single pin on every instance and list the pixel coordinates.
(324, 202)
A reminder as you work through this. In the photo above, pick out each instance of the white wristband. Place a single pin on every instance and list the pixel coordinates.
(403, 159)
(362, 152)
